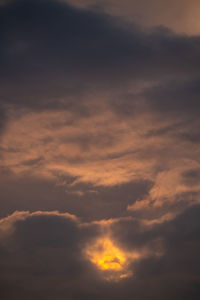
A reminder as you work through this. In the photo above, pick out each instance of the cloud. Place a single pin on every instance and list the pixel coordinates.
(81, 148)
(179, 15)
(2, 119)
(43, 256)
(45, 253)
(98, 117)
(177, 97)
(105, 150)
(171, 193)
(81, 54)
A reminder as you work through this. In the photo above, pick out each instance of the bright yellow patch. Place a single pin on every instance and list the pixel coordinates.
(112, 261)
(106, 256)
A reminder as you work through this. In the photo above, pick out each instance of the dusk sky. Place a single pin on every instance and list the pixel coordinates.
(100, 149)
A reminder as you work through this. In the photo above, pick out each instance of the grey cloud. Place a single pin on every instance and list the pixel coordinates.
(180, 96)
(191, 177)
(81, 50)
(95, 203)
(175, 274)
(178, 102)
(43, 257)
(44, 254)
(2, 119)
(180, 15)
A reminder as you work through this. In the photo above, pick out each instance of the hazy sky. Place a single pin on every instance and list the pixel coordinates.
(100, 149)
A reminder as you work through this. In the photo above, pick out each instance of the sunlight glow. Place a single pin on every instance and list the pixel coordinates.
(110, 259)
(106, 256)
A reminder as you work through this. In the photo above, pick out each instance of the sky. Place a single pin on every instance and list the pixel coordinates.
(99, 149)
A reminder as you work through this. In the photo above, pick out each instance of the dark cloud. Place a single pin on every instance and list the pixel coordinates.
(191, 177)
(2, 119)
(44, 257)
(175, 14)
(179, 96)
(83, 199)
(52, 50)
(179, 264)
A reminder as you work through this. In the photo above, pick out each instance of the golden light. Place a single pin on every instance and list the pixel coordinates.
(109, 259)
(106, 256)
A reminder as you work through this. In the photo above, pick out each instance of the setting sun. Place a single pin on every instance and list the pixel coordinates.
(106, 256)
(114, 262)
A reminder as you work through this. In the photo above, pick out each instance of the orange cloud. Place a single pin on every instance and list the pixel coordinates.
(103, 149)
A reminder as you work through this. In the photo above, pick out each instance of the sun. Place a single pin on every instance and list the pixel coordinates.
(109, 259)
(106, 256)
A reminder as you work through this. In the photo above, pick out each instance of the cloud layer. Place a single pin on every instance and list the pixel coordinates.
(99, 153)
